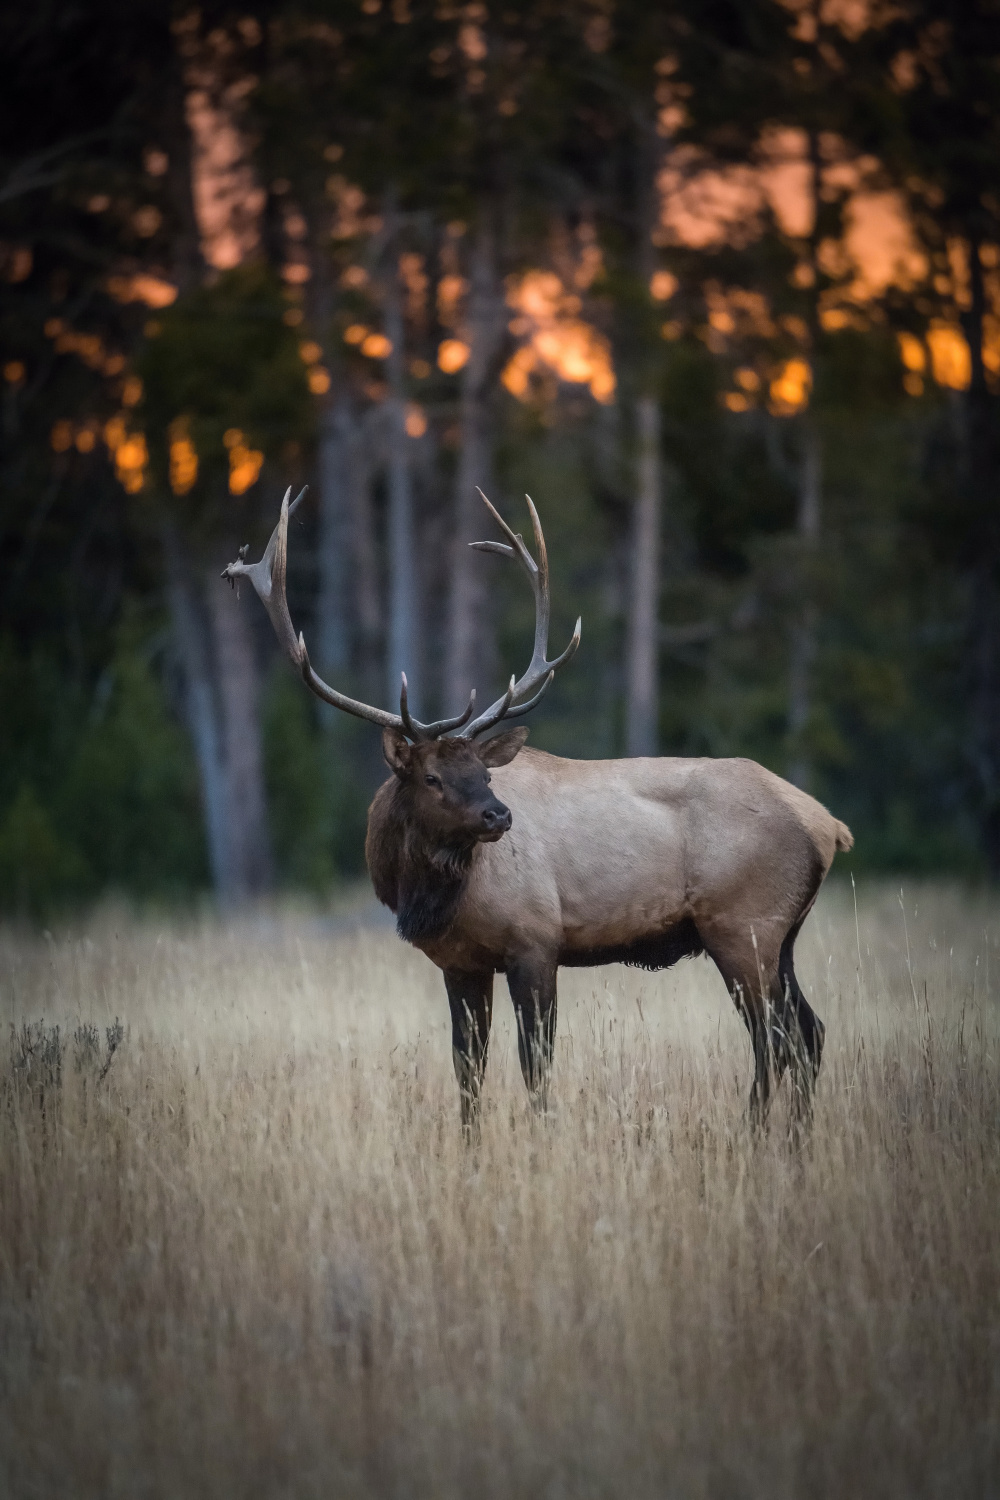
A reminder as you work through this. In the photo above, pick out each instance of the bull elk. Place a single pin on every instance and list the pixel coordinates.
(566, 862)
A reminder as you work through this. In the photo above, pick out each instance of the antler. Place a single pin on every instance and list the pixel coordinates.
(268, 579)
(516, 701)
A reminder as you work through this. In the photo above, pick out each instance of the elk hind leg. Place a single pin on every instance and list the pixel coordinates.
(470, 997)
(798, 1031)
(532, 986)
(751, 977)
(767, 1068)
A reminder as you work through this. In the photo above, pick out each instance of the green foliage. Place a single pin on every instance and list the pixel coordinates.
(540, 121)
(731, 492)
(40, 713)
(130, 796)
(38, 868)
(859, 372)
(94, 795)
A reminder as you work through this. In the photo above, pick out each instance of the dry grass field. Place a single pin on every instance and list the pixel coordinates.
(255, 1258)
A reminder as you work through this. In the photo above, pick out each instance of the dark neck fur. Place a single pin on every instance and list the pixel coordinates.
(429, 888)
(422, 885)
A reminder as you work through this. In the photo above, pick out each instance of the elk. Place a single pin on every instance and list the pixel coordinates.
(551, 862)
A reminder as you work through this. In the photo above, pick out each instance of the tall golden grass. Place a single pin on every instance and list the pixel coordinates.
(256, 1258)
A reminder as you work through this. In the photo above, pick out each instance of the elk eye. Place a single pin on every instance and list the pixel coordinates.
(432, 780)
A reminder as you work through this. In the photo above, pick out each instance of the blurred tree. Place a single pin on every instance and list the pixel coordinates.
(455, 119)
(622, 54)
(92, 199)
(750, 507)
(934, 121)
(222, 375)
(99, 789)
(84, 218)
(771, 97)
(38, 869)
(129, 800)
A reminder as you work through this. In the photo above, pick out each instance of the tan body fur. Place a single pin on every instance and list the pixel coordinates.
(603, 853)
(642, 861)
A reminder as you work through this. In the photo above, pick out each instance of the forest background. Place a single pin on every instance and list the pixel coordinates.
(717, 283)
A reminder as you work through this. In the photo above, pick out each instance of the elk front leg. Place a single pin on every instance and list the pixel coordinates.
(471, 999)
(532, 985)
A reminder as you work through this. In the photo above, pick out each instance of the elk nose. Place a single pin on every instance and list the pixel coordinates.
(497, 818)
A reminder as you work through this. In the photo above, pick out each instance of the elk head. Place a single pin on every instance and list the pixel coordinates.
(441, 767)
(446, 783)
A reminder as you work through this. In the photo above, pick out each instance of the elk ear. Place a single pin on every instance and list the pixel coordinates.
(501, 750)
(397, 749)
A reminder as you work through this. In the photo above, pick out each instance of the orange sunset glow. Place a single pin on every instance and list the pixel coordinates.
(701, 206)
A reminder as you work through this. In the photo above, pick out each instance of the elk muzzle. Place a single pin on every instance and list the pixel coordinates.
(496, 820)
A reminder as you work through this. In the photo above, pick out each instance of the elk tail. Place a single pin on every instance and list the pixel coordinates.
(845, 838)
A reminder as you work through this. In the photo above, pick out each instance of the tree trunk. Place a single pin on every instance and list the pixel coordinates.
(367, 595)
(243, 756)
(984, 662)
(643, 607)
(200, 709)
(337, 456)
(643, 618)
(215, 645)
(402, 653)
(471, 650)
(803, 652)
(188, 261)
(983, 477)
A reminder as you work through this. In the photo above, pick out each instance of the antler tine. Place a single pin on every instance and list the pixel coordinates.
(572, 647)
(497, 711)
(523, 708)
(540, 583)
(418, 731)
(268, 579)
(529, 688)
(442, 726)
(404, 711)
(516, 542)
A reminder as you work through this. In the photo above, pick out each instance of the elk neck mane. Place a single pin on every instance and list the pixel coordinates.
(421, 882)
